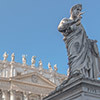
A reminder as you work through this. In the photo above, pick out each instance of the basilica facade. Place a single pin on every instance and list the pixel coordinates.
(19, 81)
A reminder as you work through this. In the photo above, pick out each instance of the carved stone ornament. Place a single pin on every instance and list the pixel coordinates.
(50, 68)
(40, 63)
(24, 60)
(5, 56)
(82, 52)
(33, 60)
(55, 67)
(34, 79)
(13, 57)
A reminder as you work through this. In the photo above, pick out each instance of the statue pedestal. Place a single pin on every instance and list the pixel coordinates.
(77, 88)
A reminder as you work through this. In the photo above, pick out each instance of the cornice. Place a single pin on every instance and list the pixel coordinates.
(32, 84)
(37, 74)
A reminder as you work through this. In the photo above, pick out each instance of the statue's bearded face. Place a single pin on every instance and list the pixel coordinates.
(76, 12)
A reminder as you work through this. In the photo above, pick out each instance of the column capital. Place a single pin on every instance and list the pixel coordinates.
(12, 91)
(4, 94)
(25, 95)
(12, 94)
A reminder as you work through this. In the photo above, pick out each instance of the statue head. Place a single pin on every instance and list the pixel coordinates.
(5, 56)
(76, 11)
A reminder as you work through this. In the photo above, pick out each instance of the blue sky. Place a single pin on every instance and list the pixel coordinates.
(30, 27)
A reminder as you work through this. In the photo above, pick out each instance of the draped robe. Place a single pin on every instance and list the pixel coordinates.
(82, 52)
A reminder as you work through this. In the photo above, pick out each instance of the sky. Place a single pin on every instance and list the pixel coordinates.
(29, 27)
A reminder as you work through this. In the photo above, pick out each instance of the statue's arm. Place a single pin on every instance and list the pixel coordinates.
(66, 24)
(63, 25)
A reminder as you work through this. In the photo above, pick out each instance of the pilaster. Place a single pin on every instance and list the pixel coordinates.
(25, 96)
(12, 95)
(5, 95)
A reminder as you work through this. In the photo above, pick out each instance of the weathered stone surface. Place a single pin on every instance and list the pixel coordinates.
(84, 62)
(23, 82)
(77, 88)
(82, 52)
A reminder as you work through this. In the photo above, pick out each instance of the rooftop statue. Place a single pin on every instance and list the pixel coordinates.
(55, 67)
(82, 52)
(24, 59)
(50, 68)
(33, 60)
(13, 57)
(5, 55)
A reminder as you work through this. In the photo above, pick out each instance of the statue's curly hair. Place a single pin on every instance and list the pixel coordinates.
(76, 7)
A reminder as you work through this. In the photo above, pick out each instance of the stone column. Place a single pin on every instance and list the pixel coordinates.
(14, 72)
(12, 69)
(41, 96)
(12, 95)
(6, 73)
(4, 70)
(4, 95)
(25, 96)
